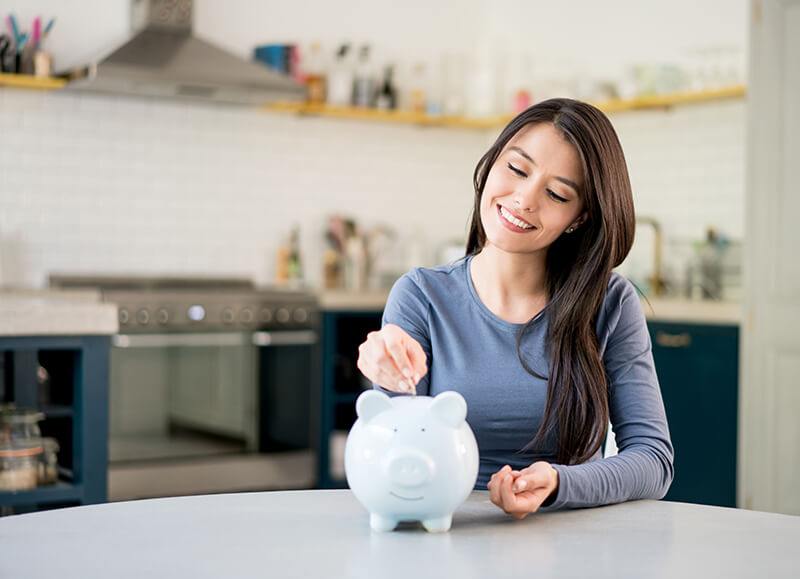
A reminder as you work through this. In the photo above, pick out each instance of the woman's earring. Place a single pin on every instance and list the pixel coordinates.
(570, 230)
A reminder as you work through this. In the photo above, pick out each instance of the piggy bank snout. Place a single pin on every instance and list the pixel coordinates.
(409, 468)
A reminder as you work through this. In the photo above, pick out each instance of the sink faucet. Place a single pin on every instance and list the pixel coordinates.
(656, 280)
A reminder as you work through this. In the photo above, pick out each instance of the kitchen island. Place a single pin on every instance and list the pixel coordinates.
(54, 353)
(327, 534)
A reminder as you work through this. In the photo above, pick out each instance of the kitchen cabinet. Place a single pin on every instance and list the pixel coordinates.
(697, 365)
(697, 368)
(342, 332)
(66, 377)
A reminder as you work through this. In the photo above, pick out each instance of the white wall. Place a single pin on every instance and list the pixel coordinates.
(597, 37)
(95, 183)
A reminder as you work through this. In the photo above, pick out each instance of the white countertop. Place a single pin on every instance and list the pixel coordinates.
(327, 534)
(693, 311)
(55, 313)
(80, 312)
(349, 301)
(659, 309)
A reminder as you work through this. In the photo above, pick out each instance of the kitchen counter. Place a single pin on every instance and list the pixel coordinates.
(659, 309)
(693, 311)
(327, 534)
(55, 313)
(349, 301)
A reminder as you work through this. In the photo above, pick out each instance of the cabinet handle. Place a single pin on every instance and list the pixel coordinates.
(682, 340)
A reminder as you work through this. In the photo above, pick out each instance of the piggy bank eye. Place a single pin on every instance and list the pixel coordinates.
(394, 429)
(422, 430)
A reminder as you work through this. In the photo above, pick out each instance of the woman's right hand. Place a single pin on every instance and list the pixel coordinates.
(392, 359)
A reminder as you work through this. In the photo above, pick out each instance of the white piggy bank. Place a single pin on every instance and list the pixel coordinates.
(411, 458)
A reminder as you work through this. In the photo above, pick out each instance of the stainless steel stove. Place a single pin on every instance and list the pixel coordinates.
(165, 305)
(208, 368)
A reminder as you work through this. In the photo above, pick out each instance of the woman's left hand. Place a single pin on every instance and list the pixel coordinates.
(521, 492)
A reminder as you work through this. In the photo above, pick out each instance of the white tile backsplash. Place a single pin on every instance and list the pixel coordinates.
(92, 183)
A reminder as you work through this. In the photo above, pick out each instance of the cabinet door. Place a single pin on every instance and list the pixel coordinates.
(698, 372)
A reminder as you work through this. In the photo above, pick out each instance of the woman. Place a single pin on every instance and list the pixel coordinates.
(544, 342)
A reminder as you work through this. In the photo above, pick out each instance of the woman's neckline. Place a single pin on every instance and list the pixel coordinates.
(484, 309)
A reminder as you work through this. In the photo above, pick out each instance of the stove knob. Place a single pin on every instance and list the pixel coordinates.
(282, 315)
(143, 317)
(228, 316)
(266, 316)
(162, 316)
(300, 315)
(124, 316)
(246, 315)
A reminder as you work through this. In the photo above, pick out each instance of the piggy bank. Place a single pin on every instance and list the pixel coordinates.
(411, 458)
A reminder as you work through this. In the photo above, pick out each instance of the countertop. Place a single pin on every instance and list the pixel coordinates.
(80, 312)
(327, 534)
(658, 309)
(55, 313)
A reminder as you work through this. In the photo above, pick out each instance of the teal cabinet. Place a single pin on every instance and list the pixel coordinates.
(342, 382)
(74, 400)
(698, 370)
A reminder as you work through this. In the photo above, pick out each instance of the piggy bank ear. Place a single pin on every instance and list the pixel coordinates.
(371, 403)
(450, 407)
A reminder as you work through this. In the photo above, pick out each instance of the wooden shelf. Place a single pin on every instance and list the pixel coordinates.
(673, 99)
(662, 101)
(397, 116)
(28, 81)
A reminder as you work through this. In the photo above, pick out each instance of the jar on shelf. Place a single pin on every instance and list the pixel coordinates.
(19, 425)
(19, 466)
(20, 448)
(48, 465)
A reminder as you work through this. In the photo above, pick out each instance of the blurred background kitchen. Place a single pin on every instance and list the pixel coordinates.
(310, 204)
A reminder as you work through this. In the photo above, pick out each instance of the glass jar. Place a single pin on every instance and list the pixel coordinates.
(17, 426)
(48, 465)
(19, 467)
(20, 448)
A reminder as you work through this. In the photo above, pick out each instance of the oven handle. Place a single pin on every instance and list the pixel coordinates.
(184, 340)
(285, 338)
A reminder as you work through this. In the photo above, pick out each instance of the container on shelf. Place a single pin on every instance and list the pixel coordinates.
(19, 426)
(20, 448)
(19, 466)
(48, 465)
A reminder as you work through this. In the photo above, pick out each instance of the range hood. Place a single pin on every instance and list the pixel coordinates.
(164, 59)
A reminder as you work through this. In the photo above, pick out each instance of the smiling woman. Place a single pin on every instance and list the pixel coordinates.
(534, 201)
(532, 328)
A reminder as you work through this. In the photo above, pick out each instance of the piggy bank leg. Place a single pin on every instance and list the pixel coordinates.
(382, 524)
(438, 525)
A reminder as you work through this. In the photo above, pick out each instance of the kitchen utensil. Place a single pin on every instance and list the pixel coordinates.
(5, 44)
(12, 27)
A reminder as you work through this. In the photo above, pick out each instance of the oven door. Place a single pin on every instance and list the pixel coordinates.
(288, 391)
(184, 392)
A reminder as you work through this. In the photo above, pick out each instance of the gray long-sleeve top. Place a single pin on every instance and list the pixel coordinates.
(474, 352)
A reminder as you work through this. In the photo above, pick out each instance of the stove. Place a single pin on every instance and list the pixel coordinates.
(203, 369)
(163, 305)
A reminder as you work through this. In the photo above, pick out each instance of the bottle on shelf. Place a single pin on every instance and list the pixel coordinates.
(315, 74)
(417, 92)
(363, 82)
(295, 264)
(387, 93)
(340, 79)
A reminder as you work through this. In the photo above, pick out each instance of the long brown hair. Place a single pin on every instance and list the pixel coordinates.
(578, 268)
